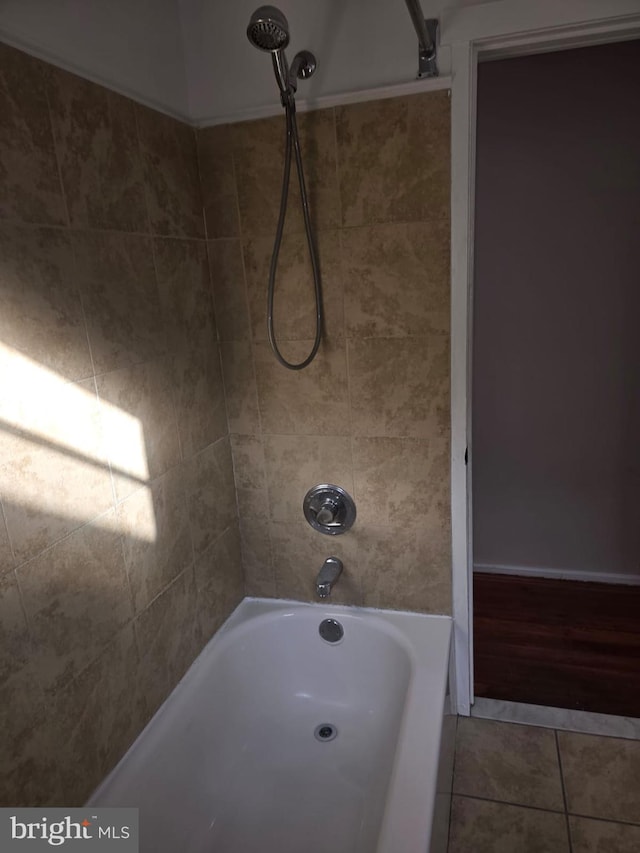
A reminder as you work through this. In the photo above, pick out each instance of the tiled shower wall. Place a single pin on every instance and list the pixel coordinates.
(120, 552)
(371, 413)
(119, 545)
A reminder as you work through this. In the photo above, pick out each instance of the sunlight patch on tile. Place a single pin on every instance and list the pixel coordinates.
(55, 472)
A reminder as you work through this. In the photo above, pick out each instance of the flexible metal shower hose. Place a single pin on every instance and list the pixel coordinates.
(292, 141)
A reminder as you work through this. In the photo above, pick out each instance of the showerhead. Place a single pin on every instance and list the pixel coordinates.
(268, 29)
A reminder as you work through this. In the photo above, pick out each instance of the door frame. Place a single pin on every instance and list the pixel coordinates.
(486, 31)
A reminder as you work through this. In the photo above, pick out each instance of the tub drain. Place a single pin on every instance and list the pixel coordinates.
(325, 732)
(331, 630)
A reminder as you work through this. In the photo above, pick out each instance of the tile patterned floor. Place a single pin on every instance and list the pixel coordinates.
(524, 789)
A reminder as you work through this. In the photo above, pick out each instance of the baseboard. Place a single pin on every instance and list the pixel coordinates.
(558, 574)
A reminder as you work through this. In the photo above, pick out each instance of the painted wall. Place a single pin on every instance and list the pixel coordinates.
(371, 413)
(133, 47)
(119, 545)
(556, 464)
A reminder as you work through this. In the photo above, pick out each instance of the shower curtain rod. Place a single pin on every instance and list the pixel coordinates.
(427, 32)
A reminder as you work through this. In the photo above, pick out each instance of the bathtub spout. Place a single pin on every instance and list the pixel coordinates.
(328, 576)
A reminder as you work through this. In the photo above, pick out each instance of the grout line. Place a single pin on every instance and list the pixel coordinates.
(22, 604)
(143, 169)
(344, 286)
(106, 448)
(3, 520)
(614, 821)
(507, 803)
(91, 522)
(546, 811)
(564, 792)
(56, 150)
(252, 347)
(453, 772)
(200, 182)
(92, 229)
(338, 170)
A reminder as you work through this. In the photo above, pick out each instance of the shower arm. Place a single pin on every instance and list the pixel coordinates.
(427, 32)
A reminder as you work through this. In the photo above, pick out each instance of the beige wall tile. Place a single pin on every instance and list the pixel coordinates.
(138, 313)
(402, 482)
(54, 473)
(240, 387)
(40, 309)
(199, 400)
(152, 563)
(512, 763)
(601, 776)
(248, 462)
(485, 827)
(299, 552)
(97, 144)
(296, 463)
(172, 180)
(253, 511)
(120, 298)
(294, 295)
(7, 560)
(15, 642)
(258, 157)
(394, 159)
(306, 402)
(140, 424)
(187, 306)
(219, 581)
(255, 543)
(185, 294)
(169, 638)
(210, 494)
(96, 718)
(396, 391)
(215, 158)
(400, 386)
(405, 569)
(76, 597)
(229, 290)
(598, 836)
(396, 279)
(30, 188)
(28, 751)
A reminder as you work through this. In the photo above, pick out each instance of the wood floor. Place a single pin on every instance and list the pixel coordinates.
(565, 644)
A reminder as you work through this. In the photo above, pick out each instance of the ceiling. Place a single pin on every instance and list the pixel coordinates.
(191, 58)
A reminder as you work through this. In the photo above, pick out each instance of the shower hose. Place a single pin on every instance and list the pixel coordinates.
(292, 141)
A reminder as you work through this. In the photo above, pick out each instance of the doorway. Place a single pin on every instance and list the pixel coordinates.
(556, 380)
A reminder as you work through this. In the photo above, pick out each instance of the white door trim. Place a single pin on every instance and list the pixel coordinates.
(504, 28)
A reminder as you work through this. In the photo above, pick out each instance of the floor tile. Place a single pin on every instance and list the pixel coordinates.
(480, 826)
(507, 762)
(601, 776)
(602, 836)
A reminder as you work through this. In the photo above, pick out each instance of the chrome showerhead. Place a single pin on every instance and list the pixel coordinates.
(268, 29)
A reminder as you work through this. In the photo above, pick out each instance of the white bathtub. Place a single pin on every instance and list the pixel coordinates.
(230, 763)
